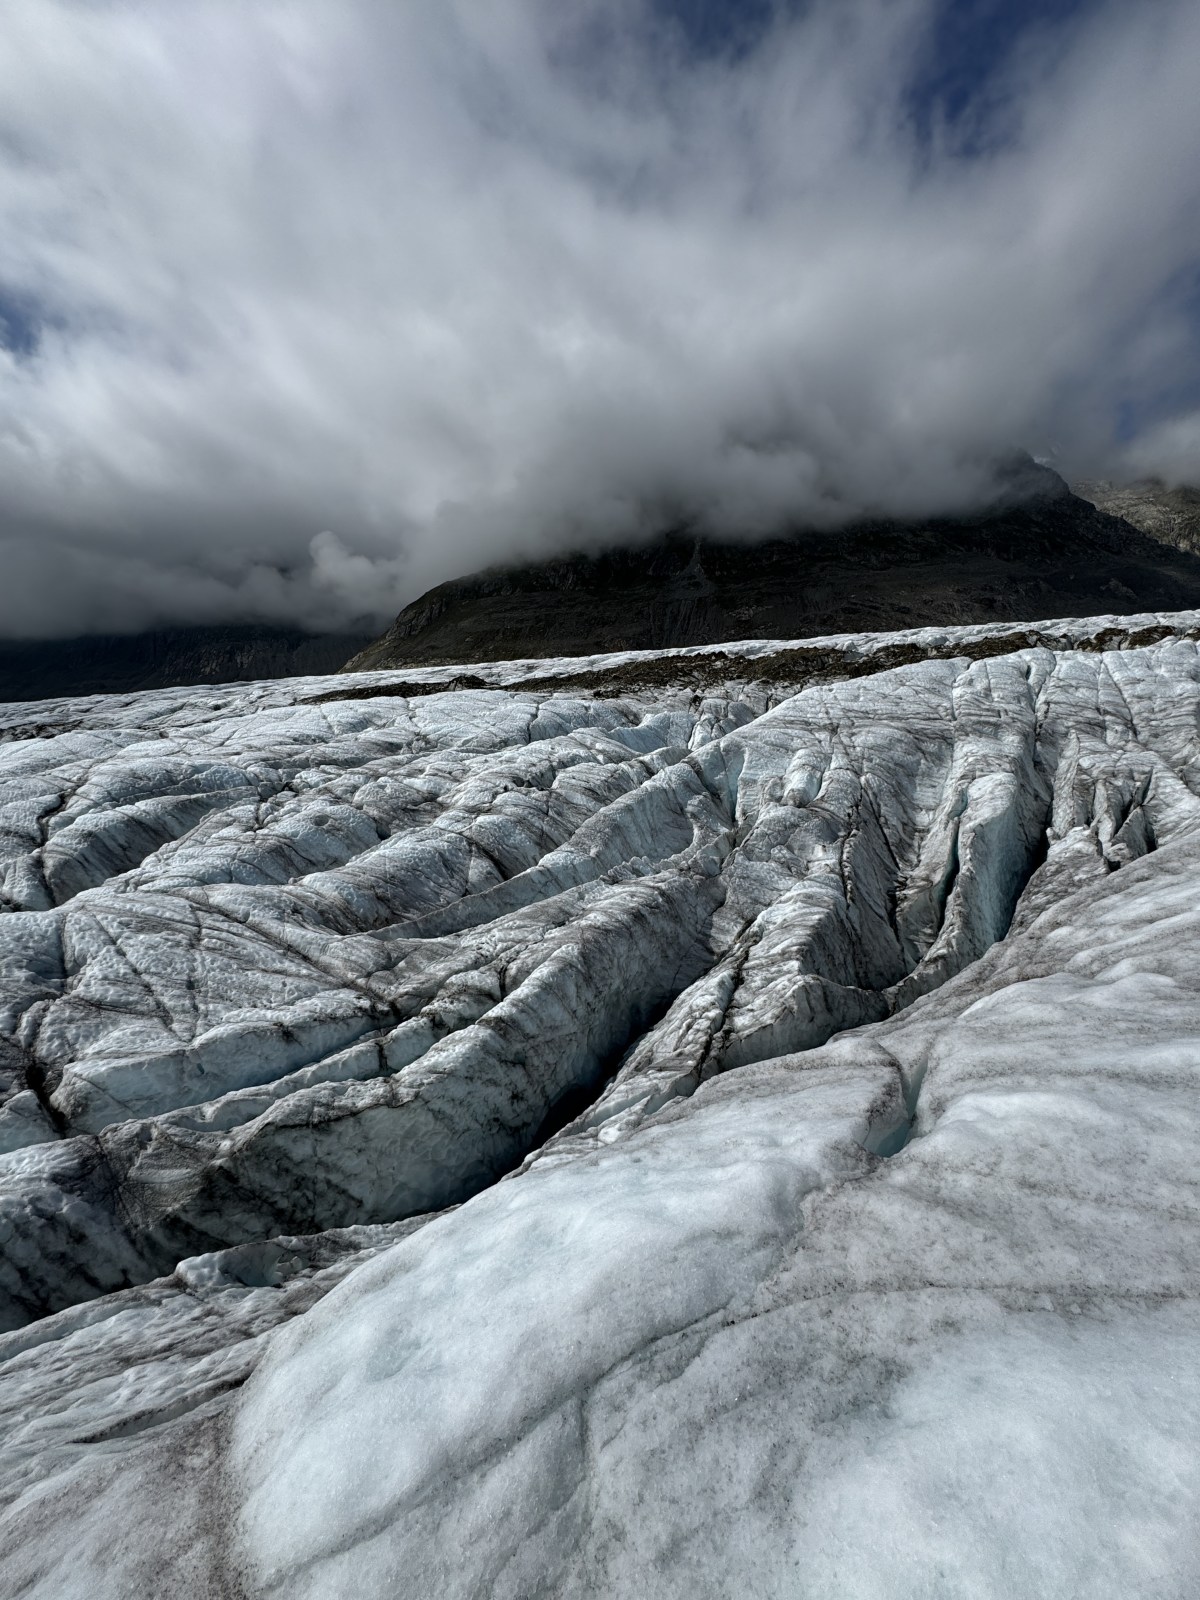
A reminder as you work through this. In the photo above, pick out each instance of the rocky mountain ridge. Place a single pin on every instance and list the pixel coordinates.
(1170, 515)
(1047, 553)
(1043, 551)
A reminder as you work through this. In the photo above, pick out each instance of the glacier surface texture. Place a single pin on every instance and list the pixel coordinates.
(696, 1123)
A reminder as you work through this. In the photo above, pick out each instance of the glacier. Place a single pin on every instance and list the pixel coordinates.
(698, 1122)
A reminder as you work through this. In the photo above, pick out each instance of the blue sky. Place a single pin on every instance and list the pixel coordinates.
(966, 43)
(970, 42)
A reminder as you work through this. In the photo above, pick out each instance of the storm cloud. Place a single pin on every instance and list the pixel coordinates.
(309, 304)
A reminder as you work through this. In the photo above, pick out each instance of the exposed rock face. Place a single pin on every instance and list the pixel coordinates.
(1051, 554)
(1170, 515)
(837, 1050)
(38, 669)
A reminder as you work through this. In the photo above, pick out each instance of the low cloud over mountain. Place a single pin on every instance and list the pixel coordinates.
(307, 306)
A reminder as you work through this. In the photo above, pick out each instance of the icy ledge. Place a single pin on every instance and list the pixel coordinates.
(908, 1312)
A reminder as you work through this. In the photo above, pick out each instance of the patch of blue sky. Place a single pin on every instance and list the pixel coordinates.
(970, 44)
(958, 64)
(21, 322)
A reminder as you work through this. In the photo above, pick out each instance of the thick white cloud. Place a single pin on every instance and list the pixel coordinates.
(336, 299)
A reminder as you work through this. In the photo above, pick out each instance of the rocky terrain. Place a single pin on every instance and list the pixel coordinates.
(718, 1122)
(1044, 552)
(1171, 516)
(33, 669)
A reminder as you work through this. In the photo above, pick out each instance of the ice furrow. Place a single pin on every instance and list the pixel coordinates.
(559, 904)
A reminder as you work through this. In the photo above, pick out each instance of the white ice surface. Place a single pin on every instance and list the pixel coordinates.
(723, 1334)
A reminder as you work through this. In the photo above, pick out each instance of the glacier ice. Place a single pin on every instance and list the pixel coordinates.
(587, 1137)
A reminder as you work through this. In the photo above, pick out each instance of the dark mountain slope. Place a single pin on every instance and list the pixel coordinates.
(40, 669)
(1049, 555)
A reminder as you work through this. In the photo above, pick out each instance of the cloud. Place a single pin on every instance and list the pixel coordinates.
(308, 305)
(1170, 450)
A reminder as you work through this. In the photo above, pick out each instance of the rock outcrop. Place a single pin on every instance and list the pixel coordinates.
(1172, 516)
